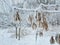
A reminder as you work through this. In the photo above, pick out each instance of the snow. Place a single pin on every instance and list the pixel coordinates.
(6, 39)
(28, 35)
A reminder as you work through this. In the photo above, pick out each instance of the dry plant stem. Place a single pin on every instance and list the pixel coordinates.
(16, 32)
(19, 33)
(36, 35)
(19, 30)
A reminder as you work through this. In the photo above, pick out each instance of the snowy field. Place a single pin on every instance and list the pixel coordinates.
(7, 37)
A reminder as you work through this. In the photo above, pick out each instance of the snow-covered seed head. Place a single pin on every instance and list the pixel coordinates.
(30, 19)
(17, 17)
(34, 26)
(52, 40)
(40, 33)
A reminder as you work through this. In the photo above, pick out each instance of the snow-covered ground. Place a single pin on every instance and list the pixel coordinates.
(7, 37)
